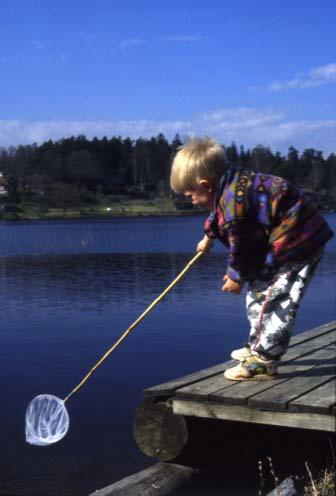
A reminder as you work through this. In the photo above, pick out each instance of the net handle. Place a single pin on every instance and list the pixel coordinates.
(136, 322)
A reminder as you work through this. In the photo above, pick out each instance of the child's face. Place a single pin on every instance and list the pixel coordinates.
(203, 195)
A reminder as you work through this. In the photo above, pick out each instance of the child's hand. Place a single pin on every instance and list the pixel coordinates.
(205, 244)
(231, 286)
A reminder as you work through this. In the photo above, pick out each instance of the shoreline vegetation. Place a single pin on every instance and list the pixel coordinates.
(76, 177)
(102, 209)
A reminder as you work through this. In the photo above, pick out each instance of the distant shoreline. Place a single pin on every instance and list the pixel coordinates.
(112, 216)
(16, 218)
(97, 207)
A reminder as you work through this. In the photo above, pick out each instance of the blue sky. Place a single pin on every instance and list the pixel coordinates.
(261, 72)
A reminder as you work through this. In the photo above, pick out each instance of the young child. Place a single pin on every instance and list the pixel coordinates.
(275, 237)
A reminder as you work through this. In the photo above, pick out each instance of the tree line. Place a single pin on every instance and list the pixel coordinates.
(116, 164)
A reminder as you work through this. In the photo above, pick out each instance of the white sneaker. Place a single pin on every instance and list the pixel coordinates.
(242, 353)
(253, 368)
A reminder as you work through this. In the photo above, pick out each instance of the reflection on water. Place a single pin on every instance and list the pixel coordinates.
(61, 312)
(132, 235)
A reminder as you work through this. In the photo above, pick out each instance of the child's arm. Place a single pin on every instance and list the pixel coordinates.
(205, 244)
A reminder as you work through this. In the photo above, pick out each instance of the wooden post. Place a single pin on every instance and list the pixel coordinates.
(158, 432)
(159, 480)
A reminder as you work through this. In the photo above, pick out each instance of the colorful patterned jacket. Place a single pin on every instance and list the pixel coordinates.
(263, 220)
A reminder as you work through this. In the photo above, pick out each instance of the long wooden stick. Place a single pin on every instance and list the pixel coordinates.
(136, 322)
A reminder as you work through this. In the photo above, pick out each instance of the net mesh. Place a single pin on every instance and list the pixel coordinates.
(47, 420)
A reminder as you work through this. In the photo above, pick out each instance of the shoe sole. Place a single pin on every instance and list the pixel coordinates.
(260, 377)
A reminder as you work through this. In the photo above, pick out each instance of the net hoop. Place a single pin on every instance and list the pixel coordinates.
(47, 420)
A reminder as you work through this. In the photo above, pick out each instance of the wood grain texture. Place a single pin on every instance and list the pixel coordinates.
(301, 420)
(301, 344)
(158, 432)
(160, 479)
(313, 333)
(319, 400)
(279, 396)
(202, 390)
(243, 391)
(306, 373)
(169, 388)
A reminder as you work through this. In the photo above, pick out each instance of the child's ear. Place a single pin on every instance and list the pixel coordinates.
(205, 183)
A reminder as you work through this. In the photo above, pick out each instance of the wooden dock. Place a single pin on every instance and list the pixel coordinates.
(303, 397)
(206, 424)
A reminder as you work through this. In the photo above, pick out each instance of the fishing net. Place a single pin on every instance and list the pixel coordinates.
(47, 420)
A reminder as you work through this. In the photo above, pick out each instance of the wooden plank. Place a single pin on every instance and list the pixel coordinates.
(315, 338)
(168, 388)
(160, 479)
(313, 421)
(206, 388)
(319, 400)
(242, 391)
(279, 396)
(313, 344)
(313, 333)
(201, 390)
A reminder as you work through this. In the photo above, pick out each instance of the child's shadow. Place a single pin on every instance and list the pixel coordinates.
(320, 368)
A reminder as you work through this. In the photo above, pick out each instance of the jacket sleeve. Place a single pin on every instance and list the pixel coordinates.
(208, 229)
(247, 250)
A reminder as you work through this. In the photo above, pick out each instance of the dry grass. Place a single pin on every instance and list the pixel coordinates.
(273, 476)
(322, 485)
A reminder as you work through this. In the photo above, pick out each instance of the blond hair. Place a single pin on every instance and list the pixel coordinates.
(200, 158)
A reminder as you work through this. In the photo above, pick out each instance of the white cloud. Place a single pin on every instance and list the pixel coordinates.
(131, 42)
(38, 45)
(317, 76)
(252, 126)
(13, 132)
(179, 38)
(184, 38)
(242, 117)
(244, 125)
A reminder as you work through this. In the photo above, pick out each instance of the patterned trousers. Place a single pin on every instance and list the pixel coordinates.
(272, 302)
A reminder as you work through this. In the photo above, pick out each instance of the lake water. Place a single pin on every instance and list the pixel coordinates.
(68, 291)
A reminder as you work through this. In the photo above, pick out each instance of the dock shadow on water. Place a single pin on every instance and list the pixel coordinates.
(61, 312)
(228, 454)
